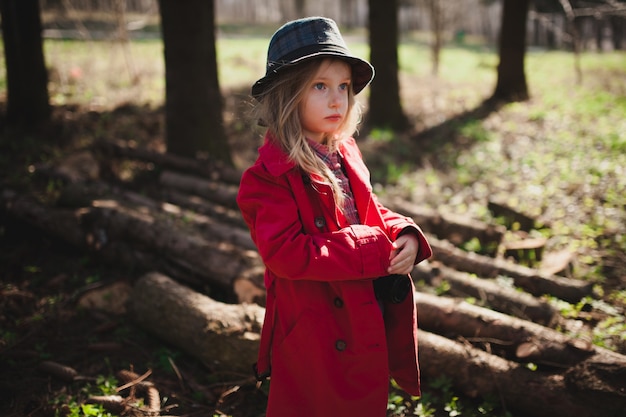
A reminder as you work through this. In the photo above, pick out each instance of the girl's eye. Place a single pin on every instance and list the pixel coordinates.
(319, 86)
(344, 86)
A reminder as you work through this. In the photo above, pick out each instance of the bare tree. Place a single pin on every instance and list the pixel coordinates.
(511, 84)
(349, 12)
(28, 104)
(193, 103)
(385, 108)
(436, 13)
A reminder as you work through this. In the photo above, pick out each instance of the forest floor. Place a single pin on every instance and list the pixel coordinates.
(56, 350)
(43, 288)
(44, 283)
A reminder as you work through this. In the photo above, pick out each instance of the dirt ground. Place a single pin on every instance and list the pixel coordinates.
(43, 287)
(43, 282)
(56, 349)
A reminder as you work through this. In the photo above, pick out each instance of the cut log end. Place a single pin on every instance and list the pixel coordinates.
(249, 293)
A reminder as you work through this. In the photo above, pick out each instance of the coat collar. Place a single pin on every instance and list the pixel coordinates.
(273, 157)
(277, 161)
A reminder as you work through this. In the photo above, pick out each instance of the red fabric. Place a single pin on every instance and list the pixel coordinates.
(325, 341)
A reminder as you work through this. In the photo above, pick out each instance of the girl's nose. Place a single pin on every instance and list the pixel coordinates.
(335, 99)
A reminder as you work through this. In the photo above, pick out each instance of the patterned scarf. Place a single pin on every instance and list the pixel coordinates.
(334, 162)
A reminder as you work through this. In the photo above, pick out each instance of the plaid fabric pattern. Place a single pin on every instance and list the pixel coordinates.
(333, 161)
(308, 38)
(288, 42)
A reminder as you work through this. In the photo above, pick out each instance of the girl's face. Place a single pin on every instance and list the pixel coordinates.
(325, 102)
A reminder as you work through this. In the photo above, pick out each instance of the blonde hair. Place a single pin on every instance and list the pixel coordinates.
(278, 109)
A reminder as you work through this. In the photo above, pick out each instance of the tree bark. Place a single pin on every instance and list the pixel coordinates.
(28, 105)
(487, 292)
(204, 205)
(531, 280)
(223, 336)
(436, 18)
(455, 229)
(207, 167)
(534, 394)
(385, 106)
(193, 104)
(510, 337)
(217, 256)
(219, 192)
(511, 84)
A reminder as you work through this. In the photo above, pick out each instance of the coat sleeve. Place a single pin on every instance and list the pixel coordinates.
(269, 207)
(398, 224)
(395, 224)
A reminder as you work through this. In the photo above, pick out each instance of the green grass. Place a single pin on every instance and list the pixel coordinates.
(101, 74)
(560, 157)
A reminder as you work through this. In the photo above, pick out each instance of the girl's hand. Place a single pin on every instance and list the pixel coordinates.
(402, 257)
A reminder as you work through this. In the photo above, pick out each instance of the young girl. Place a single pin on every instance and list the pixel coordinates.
(340, 316)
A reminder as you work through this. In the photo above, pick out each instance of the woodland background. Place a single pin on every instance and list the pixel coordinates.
(510, 154)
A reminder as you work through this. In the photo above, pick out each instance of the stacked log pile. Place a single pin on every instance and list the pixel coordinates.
(185, 238)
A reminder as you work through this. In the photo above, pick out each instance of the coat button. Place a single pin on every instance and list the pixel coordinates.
(320, 222)
(338, 302)
(340, 345)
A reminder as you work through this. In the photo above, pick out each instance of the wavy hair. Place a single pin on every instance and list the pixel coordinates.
(278, 109)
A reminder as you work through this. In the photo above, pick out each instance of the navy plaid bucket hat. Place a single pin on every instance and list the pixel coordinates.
(307, 38)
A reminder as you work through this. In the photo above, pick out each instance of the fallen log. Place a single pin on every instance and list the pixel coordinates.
(221, 260)
(77, 195)
(65, 225)
(225, 337)
(204, 206)
(59, 223)
(206, 167)
(516, 339)
(531, 280)
(488, 292)
(532, 393)
(526, 251)
(219, 192)
(511, 216)
(454, 228)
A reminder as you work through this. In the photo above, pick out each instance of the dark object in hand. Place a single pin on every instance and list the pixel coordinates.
(392, 288)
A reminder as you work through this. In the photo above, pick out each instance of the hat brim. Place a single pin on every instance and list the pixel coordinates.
(362, 71)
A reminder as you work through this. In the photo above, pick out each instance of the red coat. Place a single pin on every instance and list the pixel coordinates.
(324, 338)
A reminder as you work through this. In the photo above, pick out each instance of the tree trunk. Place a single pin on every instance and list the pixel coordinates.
(349, 13)
(618, 24)
(576, 38)
(487, 292)
(224, 194)
(28, 106)
(531, 280)
(193, 105)
(385, 108)
(454, 228)
(537, 394)
(511, 85)
(510, 337)
(219, 256)
(225, 337)
(435, 10)
(208, 168)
